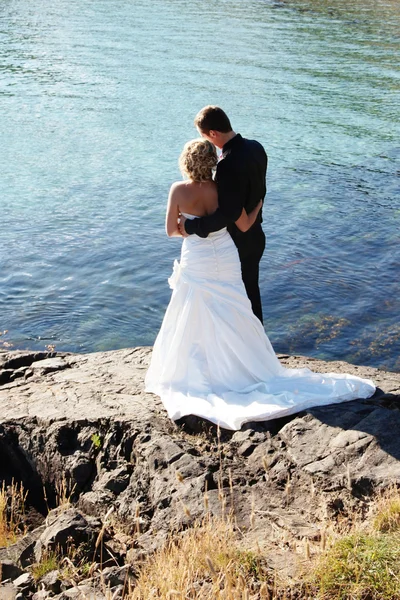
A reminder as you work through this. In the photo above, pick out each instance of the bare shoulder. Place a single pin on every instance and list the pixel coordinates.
(179, 184)
(176, 189)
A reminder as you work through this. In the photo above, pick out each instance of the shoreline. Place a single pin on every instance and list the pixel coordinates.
(118, 376)
(7, 346)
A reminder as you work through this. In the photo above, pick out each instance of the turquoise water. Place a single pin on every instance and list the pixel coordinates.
(97, 100)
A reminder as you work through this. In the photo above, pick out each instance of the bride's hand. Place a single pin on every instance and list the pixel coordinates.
(181, 226)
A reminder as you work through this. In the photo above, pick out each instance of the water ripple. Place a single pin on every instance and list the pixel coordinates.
(97, 101)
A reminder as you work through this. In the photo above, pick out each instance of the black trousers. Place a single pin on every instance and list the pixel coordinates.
(250, 263)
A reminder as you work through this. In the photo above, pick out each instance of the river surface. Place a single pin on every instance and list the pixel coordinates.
(97, 100)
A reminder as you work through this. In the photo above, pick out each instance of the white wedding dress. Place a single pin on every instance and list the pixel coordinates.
(212, 357)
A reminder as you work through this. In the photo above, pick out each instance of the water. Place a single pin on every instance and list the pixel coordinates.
(97, 100)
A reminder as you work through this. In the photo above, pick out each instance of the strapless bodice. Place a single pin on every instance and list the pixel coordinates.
(211, 236)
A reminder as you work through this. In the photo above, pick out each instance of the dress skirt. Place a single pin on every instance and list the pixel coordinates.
(212, 357)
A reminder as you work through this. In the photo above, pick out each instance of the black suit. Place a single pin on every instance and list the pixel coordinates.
(241, 184)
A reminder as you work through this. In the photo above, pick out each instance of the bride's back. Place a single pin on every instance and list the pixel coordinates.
(198, 198)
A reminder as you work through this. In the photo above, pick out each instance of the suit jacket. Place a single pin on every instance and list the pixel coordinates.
(241, 180)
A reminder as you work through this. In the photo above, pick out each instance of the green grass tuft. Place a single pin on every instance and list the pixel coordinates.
(50, 562)
(360, 566)
(96, 441)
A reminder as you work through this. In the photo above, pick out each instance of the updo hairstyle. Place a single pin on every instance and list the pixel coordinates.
(198, 159)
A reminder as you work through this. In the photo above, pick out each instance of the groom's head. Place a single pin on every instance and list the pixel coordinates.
(213, 124)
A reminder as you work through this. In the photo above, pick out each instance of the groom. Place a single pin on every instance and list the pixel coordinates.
(240, 178)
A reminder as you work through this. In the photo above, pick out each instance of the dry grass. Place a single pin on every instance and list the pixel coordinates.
(387, 512)
(203, 562)
(12, 511)
(64, 491)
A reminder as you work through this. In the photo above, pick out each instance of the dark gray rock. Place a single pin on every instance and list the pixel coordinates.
(116, 481)
(51, 582)
(24, 582)
(64, 529)
(118, 576)
(81, 592)
(96, 503)
(9, 570)
(116, 579)
(22, 552)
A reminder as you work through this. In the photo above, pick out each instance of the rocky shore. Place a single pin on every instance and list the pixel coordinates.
(78, 430)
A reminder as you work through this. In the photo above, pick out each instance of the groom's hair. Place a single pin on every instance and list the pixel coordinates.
(212, 117)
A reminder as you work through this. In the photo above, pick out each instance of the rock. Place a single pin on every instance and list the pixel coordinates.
(80, 469)
(66, 529)
(84, 422)
(352, 440)
(51, 582)
(9, 570)
(116, 480)
(24, 582)
(241, 436)
(6, 375)
(41, 595)
(7, 592)
(96, 503)
(247, 441)
(113, 577)
(22, 552)
(49, 365)
(20, 358)
(81, 592)
(15, 364)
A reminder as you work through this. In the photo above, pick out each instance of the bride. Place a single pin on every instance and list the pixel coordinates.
(212, 357)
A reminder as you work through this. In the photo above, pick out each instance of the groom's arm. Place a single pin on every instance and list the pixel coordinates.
(230, 203)
(206, 225)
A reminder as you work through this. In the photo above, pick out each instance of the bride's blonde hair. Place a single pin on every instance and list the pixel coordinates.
(198, 159)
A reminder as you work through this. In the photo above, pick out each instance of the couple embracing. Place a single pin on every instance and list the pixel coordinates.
(212, 357)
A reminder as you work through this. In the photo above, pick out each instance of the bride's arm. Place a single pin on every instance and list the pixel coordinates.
(172, 216)
(245, 221)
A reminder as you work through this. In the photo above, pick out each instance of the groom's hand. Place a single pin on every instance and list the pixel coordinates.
(181, 225)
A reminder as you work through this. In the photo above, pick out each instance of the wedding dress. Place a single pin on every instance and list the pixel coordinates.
(212, 357)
